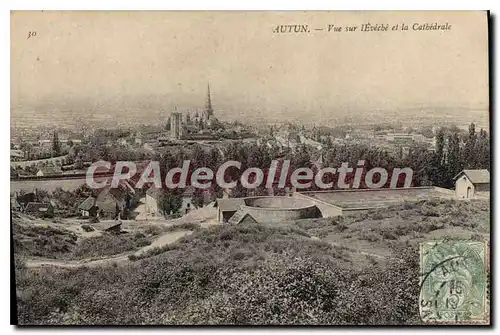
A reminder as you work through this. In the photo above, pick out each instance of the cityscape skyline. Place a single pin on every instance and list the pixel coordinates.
(159, 60)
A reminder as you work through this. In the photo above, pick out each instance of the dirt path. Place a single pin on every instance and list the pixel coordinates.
(164, 239)
(205, 217)
(120, 259)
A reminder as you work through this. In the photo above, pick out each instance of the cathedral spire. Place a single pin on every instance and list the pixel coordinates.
(208, 103)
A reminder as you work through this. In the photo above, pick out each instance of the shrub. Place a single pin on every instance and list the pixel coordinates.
(182, 226)
(42, 241)
(341, 227)
(87, 228)
(408, 205)
(153, 230)
(370, 235)
(109, 244)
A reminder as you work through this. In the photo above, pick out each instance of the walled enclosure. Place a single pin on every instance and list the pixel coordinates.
(279, 208)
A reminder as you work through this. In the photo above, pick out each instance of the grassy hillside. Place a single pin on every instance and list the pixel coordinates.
(39, 241)
(254, 274)
(57, 243)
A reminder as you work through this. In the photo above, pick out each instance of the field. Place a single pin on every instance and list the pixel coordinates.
(368, 198)
(361, 269)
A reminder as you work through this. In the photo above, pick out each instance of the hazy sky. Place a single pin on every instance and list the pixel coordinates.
(110, 61)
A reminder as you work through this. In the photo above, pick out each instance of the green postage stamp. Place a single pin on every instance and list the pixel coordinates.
(454, 285)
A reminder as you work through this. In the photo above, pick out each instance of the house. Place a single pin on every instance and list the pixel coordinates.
(88, 207)
(152, 197)
(472, 183)
(226, 208)
(26, 198)
(112, 202)
(44, 142)
(44, 209)
(15, 205)
(49, 171)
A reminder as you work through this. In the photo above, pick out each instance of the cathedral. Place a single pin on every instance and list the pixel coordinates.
(191, 121)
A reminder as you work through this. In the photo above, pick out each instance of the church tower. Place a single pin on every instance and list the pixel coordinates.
(208, 104)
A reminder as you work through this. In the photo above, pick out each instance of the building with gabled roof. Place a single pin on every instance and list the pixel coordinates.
(472, 183)
(152, 196)
(39, 209)
(25, 198)
(226, 208)
(49, 171)
(112, 202)
(110, 226)
(241, 217)
(15, 205)
(88, 207)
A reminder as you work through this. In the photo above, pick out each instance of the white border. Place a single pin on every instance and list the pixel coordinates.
(200, 5)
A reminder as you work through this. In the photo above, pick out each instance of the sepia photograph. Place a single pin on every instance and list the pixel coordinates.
(276, 168)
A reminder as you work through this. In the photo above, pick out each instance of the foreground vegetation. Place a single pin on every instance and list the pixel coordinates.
(56, 243)
(255, 274)
(244, 274)
(407, 221)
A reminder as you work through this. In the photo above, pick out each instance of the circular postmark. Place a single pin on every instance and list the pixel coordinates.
(453, 281)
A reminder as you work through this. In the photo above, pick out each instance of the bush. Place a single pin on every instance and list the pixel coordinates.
(87, 228)
(182, 226)
(109, 244)
(370, 235)
(153, 230)
(42, 241)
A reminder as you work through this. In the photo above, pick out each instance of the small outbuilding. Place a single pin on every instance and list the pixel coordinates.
(226, 208)
(49, 171)
(472, 183)
(88, 208)
(110, 226)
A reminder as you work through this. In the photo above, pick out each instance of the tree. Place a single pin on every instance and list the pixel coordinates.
(170, 201)
(27, 149)
(56, 145)
(435, 168)
(168, 124)
(328, 142)
(483, 150)
(198, 198)
(453, 163)
(427, 131)
(470, 145)
(198, 157)
(301, 157)
(440, 146)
